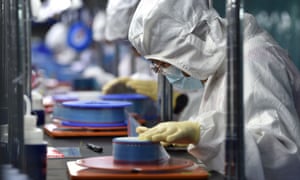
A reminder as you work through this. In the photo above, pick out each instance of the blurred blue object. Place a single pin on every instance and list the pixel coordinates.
(79, 36)
(42, 58)
(85, 84)
(64, 73)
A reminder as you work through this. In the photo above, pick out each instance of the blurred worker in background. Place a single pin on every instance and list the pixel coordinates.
(100, 51)
(72, 63)
(187, 39)
(63, 55)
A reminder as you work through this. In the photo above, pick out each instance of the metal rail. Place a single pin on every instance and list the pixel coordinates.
(235, 121)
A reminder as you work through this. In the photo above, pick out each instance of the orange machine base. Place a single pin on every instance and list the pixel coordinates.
(77, 172)
(54, 130)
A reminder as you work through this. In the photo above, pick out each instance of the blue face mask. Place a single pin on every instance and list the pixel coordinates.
(178, 80)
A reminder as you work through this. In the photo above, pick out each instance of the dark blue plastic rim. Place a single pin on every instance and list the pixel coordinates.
(76, 124)
(123, 96)
(96, 104)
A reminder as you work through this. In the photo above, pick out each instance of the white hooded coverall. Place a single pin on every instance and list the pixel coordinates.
(192, 37)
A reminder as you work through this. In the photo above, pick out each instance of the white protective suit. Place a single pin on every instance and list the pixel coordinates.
(192, 37)
(56, 40)
(90, 70)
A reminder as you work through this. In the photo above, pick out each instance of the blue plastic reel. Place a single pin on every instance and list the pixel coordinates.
(142, 104)
(95, 111)
(135, 151)
(59, 99)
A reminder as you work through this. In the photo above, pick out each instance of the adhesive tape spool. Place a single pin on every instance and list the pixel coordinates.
(59, 99)
(131, 150)
(95, 111)
(140, 103)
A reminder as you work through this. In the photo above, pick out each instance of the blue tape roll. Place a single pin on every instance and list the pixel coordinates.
(94, 111)
(59, 99)
(135, 151)
(141, 104)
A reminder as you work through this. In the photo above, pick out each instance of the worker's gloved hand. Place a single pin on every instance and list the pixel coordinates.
(149, 88)
(117, 85)
(145, 87)
(142, 129)
(182, 132)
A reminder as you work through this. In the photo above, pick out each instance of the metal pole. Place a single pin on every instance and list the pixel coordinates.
(116, 60)
(3, 90)
(3, 69)
(15, 61)
(235, 121)
(27, 46)
(132, 61)
(165, 93)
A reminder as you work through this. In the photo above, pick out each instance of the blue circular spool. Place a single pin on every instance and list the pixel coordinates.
(59, 99)
(135, 151)
(141, 104)
(79, 36)
(95, 111)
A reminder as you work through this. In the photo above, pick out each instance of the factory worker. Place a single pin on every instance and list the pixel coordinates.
(186, 39)
(56, 40)
(90, 59)
(144, 81)
(63, 55)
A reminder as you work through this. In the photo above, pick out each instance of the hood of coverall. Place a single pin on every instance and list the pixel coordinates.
(187, 34)
(118, 17)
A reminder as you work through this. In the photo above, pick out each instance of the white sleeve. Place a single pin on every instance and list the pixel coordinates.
(210, 149)
(272, 126)
(270, 114)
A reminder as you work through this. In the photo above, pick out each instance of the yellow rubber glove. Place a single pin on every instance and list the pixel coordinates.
(117, 85)
(127, 85)
(145, 87)
(148, 88)
(182, 132)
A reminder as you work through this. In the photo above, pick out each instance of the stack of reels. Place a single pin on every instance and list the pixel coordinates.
(89, 118)
(94, 113)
